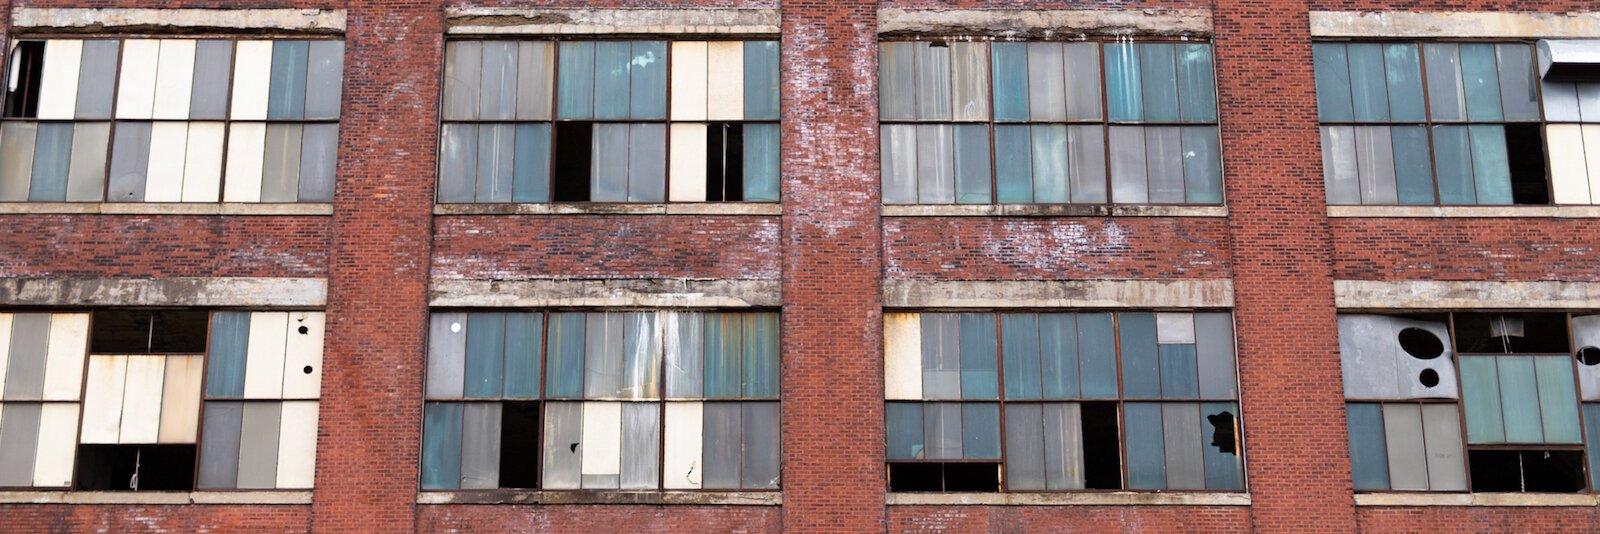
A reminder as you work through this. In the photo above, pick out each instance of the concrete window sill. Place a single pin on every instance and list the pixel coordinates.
(1119, 498)
(155, 497)
(1050, 210)
(686, 208)
(165, 208)
(721, 498)
(1556, 212)
(1476, 499)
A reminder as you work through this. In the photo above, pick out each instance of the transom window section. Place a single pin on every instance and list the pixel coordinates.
(610, 121)
(171, 120)
(984, 402)
(1010, 122)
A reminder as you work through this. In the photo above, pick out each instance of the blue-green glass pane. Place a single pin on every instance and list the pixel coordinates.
(575, 85)
(1013, 164)
(761, 355)
(1020, 338)
(1558, 399)
(1453, 160)
(1591, 435)
(1158, 72)
(1404, 75)
(286, 91)
(531, 165)
(1180, 373)
(980, 431)
(441, 445)
(903, 426)
(1445, 98)
(1368, 82)
(972, 163)
(1481, 80)
(1146, 451)
(648, 79)
(1491, 164)
(1224, 463)
(1519, 398)
(225, 361)
(1058, 353)
(1202, 165)
(564, 376)
(760, 82)
(1197, 92)
(1050, 164)
(52, 152)
(1413, 171)
(611, 80)
(1369, 457)
(1124, 95)
(760, 162)
(524, 337)
(1333, 82)
(1097, 355)
(979, 375)
(1480, 400)
(1010, 73)
(486, 336)
(722, 364)
(1141, 372)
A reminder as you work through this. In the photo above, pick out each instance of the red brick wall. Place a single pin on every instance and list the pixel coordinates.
(39, 518)
(975, 519)
(1481, 519)
(988, 248)
(1466, 249)
(621, 246)
(163, 246)
(560, 519)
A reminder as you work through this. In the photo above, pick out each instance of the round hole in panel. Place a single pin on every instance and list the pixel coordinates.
(306, 370)
(305, 330)
(1429, 378)
(1421, 344)
(1589, 356)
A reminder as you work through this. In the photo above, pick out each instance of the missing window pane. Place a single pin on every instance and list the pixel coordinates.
(148, 332)
(27, 72)
(1526, 471)
(724, 162)
(573, 153)
(1525, 149)
(964, 477)
(1511, 333)
(519, 445)
(135, 467)
(916, 477)
(1102, 460)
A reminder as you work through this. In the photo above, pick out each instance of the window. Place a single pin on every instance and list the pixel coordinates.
(983, 402)
(1448, 124)
(1571, 91)
(171, 120)
(610, 121)
(1042, 128)
(1486, 402)
(146, 425)
(602, 401)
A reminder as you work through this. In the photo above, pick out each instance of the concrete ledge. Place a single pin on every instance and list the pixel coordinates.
(1119, 498)
(155, 497)
(1050, 210)
(1575, 212)
(1454, 24)
(163, 291)
(159, 208)
(1458, 295)
(687, 208)
(1184, 294)
(59, 19)
(1476, 499)
(1033, 23)
(671, 292)
(604, 21)
(720, 498)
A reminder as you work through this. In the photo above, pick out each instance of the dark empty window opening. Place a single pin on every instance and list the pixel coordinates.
(519, 445)
(135, 467)
(1525, 149)
(148, 331)
(1511, 333)
(22, 86)
(724, 162)
(1548, 471)
(573, 154)
(1102, 451)
(968, 477)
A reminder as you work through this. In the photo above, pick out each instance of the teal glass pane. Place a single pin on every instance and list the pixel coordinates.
(1125, 98)
(1480, 79)
(648, 80)
(486, 335)
(1558, 399)
(972, 163)
(1097, 355)
(1591, 435)
(722, 363)
(1202, 165)
(52, 152)
(761, 355)
(524, 337)
(1491, 164)
(980, 431)
(1453, 160)
(1158, 73)
(1519, 397)
(530, 167)
(1050, 164)
(1180, 373)
(1413, 171)
(761, 162)
(564, 376)
(1020, 338)
(1010, 73)
(979, 376)
(903, 426)
(1013, 164)
(611, 80)
(1197, 92)
(1369, 457)
(1404, 75)
(1368, 84)
(1146, 452)
(1141, 370)
(760, 82)
(1480, 400)
(1058, 354)
(575, 80)
(225, 361)
(1224, 465)
(1333, 82)
(286, 90)
(441, 445)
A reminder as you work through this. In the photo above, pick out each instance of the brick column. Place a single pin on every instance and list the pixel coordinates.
(832, 244)
(1292, 397)
(378, 277)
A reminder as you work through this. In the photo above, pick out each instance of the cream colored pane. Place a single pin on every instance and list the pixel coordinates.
(69, 342)
(688, 162)
(247, 144)
(1175, 328)
(202, 168)
(263, 372)
(725, 81)
(141, 399)
(689, 81)
(297, 445)
(5, 349)
(302, 360)
(602, 438)
(1569, 174)
(1591, 143)
(180, 400)
(102, 399)
(174, 79)
(136, 89)
(252, 72)
(902, 356)
(681, 463)
(58, 84)
(58, 440)
(164, 174)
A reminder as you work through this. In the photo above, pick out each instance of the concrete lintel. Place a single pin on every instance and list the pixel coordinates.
(1458, 295)
(1558, 212)
(57, 19)
(697, 208)
(1214, 293)
(155, 497)
(1050, 210)
(1044, 23)
(1454, 24)
(154, 208)
(1119, 498)
(1476, 499)
(163, 291)
(597, 21)
(722, 498)
(670, 292)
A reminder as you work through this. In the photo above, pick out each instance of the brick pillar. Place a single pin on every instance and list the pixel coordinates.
(1292, 397)
(832, 243)
(378, 275)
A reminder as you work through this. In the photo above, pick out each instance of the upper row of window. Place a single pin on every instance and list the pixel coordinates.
(650, 121)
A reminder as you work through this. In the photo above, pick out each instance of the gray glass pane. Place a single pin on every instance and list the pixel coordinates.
(535, 67)
(1025, 465)
(1141, 376)
(1158, 71)
(761, 162)
(1481, 81)
(1020, 338)
(722, 342)
(1339, 165)
(760, 82)
(1047, 84)
(899, 163)
(25, 369)
(495, 162)
(1368, 82)
(720, 450)
(969, 73)
(563, 434)
(1519, 397)
(1446, 100)
(1142, 435)
(941, 357)
(1128, 165)
(97, 74)
(1124, 97)
(685, 355)
(286, 92)
(1404, 75)
(648, 80)
(936, 176)
(1480, 399)
(498, 97)
(641, 356)
(1413, 171)
(1375, 164)
(1180, 430)
(979, 357)
(86, 179)
(761, 355)
(1333, 82)
(1083, 80)
(225, 361)
(1441, 432)
(52, 154)
(602, 361)
(480, 445)
(524, 336)
(1517, 95)
(647, 163)
(530, 171)
(1589, 101)
(1097, 355)
(463, 72)
(1403, 441)
(761, 432)
(933, 81)
(1010, 73)
(564, 378)
(458, 162)
(575, 80)
(1163, 147)
(280, 176)
(1369, 461)
(1013, 163)
(1087, 162)
(1491, 164)
(1558, 399)
(319, 147)
(1058, 351)
(325, 79)
(19, 437)
(485, 358)
(258, 444)
(1050, 164)
(897, 72)
(1453, 160)
(16, 159)
(1202, 165)
(609, 174)
(1214, 348)
(1560, 101)
(219, 445)
(641, 445)
(1224, 467)
(1196, 88)
(611, 80)
(941, 427)
(1063, 446)
(447, 349)
(903, 429)
(1179, 372)
(1591, 434)
(208, 94)
(980, 431)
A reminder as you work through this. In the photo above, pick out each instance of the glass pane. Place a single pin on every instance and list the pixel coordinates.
(684, 354)
(280, 175)
(1333, 82)
(1063, 446)
(941, 424)
(722, 362)
(647, 163)
(1375, 164)
(979, 376)
(480, 445)
(1368, 82)
(324, 79)
(1196, 88)
(1146, 454)
(219, 447)
(1180, 430)
(1050, 164)
(1339, 165)
(903, 427)
(941, 358)
(575, 79)
(760, 162)
(1020, 333)
(761, 453)
(1404, 74)
(1558, 399)
(1083, 80)
(972, 163)
(535, 73)
(1519, 397)
(1369, 461)
(564, 378)
(1591, 433)
(319, 147)
(648, 79)
(463, 72)
(1202, 165)
(563, 434)
(1480, 399)
(458, 162)
(761, 355)
(1047, 84)
(1560, 101)
(1058, 350)
(720, 449)
(1491, 164)
(1010, 62)
(641, 445)
(208, 94)
(286, 93)
(1013, 163)
(51, 157)
(16, 158)
(1124, 97)
(602, 359)
(609, 178)
(498, 99)
(1481, 81)
(936, 178)
(1157, 69)
(933, 82)
(1441, 428)
(230, 338)
(1140, 367)
(1025, 465)
(1413, 171)
(1403, 442)
(1163, 147)
(1517, 95)
(899, 161)
(1445, 96)
(1219, 441)
(897, 72)
(1097, 356)
(1128, 165)
(1453, 160)
(485, 358)
(969, 72)
(441, 445)
(1179, 372)
(760, 82)
(524, 337)
(530, 165)
(611, 79)
(1086, 162)
(980, 431)
(97, 78)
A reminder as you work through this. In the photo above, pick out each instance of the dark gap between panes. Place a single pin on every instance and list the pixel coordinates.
(148, 331)
(573, 143)
(1511, 333)
(1526, 471)
(519, 445)
(1525, 148)
(1102, 454)
(28, 70)
(123, 467)
(724, 162)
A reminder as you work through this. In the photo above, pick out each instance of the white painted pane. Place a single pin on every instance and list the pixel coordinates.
(247, 144)
(58, 441)
(297, 445)
(725, 80)
(202, 167)
(136, 90)
(102, 399)
(174, 79)
(58, 86)
(902, 361)
(1591, 143)
(252, 71)
(141, 399)
(688, 82)
(5, 349)
(1569, 173)
(602, 440)
(263, 374)
(164, 173)
(688, 162)
(180, 399)
(302, 359)
(681, 465)
(69, 340)
(1175, 328)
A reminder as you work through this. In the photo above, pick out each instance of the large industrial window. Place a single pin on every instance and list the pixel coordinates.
(112, 400)
(171, 120)
(984, 402)
(1484, 402)
(1452, 124)
(602, 401)
(610, 121)
(1008, 122)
